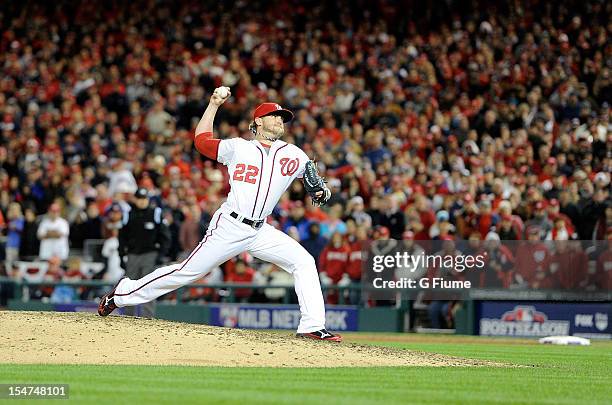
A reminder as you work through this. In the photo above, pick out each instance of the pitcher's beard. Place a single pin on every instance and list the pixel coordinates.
(271, 136)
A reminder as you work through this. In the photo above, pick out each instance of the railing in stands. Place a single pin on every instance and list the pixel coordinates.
(21, 289)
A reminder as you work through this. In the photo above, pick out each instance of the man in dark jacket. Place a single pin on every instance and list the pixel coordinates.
(145, 240)
(591, 208)
(506, 228)
(315, 243)
(392, 218)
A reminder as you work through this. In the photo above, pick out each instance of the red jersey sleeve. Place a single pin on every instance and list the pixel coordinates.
(207, 145)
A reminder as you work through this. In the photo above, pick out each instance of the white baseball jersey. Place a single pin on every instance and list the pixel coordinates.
(258, 178)
(54, 246)
(259, 175)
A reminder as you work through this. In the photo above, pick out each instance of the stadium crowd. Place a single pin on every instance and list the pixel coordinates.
(446, 121)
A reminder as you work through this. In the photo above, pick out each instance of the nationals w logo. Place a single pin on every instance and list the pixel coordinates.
(289, 166)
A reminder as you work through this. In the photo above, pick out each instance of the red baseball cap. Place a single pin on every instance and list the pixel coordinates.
(272, 109)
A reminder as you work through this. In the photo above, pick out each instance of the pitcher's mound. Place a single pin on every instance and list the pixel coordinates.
(85, 338)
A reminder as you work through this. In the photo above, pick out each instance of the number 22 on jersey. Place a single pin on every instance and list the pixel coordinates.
(249, 176)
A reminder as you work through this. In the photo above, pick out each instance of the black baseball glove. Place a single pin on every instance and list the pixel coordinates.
(315, 185)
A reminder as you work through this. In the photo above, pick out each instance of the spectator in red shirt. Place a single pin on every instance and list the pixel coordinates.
(486, 218)
(427, 217)
(333, 259)
(178, 162)
(329, 132)
(559, 230)
(554, 212)
(532, 259)
(332, 265)
(242, 274)
(467, 218)
(357, 243)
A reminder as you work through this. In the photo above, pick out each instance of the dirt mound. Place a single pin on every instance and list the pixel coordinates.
(85, 338)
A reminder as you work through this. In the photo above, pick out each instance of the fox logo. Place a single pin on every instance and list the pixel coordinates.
(601, 321)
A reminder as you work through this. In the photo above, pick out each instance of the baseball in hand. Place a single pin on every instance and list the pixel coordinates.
(223, 92)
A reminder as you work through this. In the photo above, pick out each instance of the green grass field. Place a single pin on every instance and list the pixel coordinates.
(554, 375)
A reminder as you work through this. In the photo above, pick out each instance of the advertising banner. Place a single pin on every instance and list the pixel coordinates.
(253, 316)
(533, 319)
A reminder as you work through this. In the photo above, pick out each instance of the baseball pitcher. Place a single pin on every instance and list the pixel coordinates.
(260, 171)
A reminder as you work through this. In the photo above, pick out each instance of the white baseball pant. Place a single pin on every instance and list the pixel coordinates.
(225, 238)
